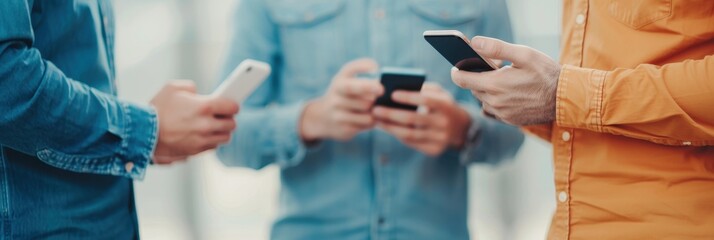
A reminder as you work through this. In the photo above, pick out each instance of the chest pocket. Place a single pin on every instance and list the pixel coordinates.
(446, 12)
(637, 14)
(311, 33)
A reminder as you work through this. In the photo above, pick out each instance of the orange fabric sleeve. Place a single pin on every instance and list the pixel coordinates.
(672, 104)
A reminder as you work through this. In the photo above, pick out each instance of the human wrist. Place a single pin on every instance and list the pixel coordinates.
(310, 126)
(460, 129)
(551, 95)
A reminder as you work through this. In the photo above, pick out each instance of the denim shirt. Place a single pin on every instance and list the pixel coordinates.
(373, 186)
(68, 148)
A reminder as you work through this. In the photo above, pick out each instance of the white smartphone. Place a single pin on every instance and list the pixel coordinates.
(455, 47)
(244, 79)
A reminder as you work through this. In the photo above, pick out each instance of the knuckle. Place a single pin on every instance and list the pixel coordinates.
(205, 108)
(496, 50)
(441, 122)
(441, 137)
(230, 126)
(495, 103)
(370, 120)
(234, 107)
(339, 102)
(364, 105)
(417, 135)
(422, 122)
(204, 127)
(340, 117)
(528, 53)
(412, 119)
(408, 135)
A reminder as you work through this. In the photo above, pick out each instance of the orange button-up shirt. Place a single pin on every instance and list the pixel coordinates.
(634, 133)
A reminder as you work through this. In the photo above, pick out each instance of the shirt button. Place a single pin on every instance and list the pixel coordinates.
(379, 14)
(562, 197)
(580, 19)
(129, 166)
(380, 220)
(383, 159)
(566, 136)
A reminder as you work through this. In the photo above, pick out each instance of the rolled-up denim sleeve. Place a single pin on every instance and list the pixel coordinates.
(65, 123)
(490, 141)
(267, 131)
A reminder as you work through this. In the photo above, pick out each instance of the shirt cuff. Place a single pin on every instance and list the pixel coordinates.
(475, 148)
(472, 143)
(579, 98)
(139, 136)
(286, 123)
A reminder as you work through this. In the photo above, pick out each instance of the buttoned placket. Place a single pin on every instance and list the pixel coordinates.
(378, 16)
(564, 137)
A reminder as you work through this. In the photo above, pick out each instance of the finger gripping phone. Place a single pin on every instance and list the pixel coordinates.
(244, 79)
(394, 79)
(455, 47)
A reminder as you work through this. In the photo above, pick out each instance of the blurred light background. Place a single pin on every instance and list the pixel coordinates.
(159, 40)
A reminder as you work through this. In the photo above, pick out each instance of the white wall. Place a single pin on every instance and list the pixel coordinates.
(164, 39)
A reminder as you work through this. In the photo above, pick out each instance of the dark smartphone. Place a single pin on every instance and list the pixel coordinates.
(455, 47)
(394, 79)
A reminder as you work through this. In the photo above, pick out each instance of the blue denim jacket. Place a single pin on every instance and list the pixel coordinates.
(372, 187)
(68, 148)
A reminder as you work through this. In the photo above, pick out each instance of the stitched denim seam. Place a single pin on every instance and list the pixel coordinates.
(7, 230)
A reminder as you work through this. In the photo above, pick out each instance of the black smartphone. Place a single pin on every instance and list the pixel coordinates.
(394, 79)
(455, 47)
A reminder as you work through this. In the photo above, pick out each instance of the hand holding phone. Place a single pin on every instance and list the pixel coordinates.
(400, 79)
(455, 47)
(344, 110)
(443, 124)
(244, 79)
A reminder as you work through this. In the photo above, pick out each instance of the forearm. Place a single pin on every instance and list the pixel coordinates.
(266, 136)
(669, 105)
(66, 123)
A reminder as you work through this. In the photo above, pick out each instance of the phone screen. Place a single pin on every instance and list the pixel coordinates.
(459, 53)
